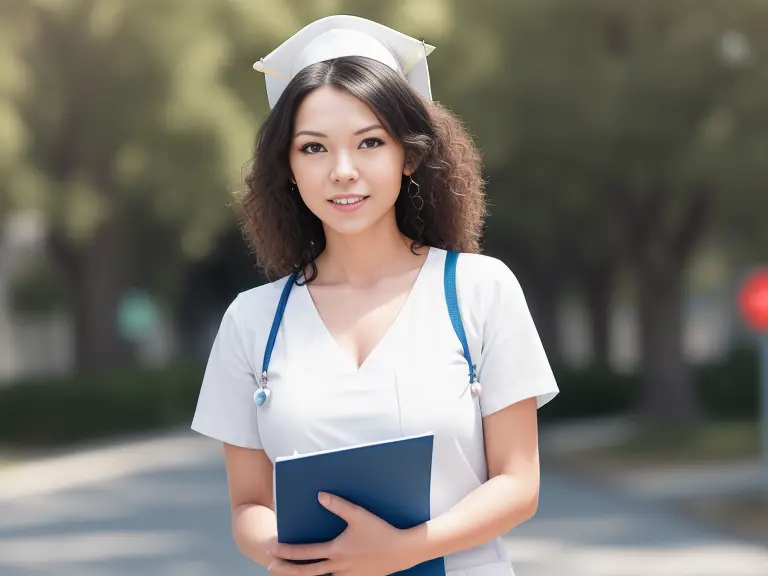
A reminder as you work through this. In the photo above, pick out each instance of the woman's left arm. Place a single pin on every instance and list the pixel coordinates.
(508, 498)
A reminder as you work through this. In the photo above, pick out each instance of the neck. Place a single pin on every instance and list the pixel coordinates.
(362, 259)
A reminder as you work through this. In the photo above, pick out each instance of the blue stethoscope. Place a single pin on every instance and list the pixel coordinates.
(262, 394)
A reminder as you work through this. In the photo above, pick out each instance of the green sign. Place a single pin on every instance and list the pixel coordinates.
(137, 316)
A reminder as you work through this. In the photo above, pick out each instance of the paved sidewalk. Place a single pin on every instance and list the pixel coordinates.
(693, 479)
(159, 508)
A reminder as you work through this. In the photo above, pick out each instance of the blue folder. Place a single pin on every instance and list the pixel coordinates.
(390, 479)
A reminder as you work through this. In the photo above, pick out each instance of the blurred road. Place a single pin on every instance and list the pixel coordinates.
(159, 508)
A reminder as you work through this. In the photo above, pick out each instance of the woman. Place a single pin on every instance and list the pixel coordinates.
(362, 184)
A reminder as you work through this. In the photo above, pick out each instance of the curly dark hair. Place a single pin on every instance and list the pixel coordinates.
(286, 236)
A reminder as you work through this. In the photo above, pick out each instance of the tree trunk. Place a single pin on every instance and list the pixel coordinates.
(668, 392)
(540, 278)
(598, 283)
(542, 298)
(96, 280)
(660, 256)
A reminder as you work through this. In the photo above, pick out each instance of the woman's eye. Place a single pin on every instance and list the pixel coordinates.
(371, 143)
(312, 148)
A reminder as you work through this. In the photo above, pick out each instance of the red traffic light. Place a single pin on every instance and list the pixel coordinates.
(753, 300)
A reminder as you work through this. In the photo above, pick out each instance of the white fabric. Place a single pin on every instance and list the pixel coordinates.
(342, 35)
(337, 43)
(414, 381)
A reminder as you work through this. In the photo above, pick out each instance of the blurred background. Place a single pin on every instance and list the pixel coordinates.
(625, 146)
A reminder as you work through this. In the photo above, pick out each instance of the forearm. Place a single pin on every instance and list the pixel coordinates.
(254, 529)
(491, 510)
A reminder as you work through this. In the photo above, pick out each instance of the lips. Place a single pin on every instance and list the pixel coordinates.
(347, 200)
(348, 203)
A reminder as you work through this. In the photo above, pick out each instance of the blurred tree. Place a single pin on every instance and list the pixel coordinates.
(677, 157)
(131, 128)
(618, 130)
(13, 133)
(526, 88)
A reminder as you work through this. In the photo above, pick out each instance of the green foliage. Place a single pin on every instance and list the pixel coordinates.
(53, 411)
(39, 290)
(728, 390)
(577, 103)
(732, 389)
(591, 393)
(126, 103)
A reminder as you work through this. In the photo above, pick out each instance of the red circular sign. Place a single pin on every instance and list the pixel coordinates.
(753, 300)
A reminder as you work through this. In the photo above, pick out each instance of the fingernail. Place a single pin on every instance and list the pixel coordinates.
(323, 498)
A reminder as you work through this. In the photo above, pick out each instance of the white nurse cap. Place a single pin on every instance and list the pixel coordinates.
(337, 36)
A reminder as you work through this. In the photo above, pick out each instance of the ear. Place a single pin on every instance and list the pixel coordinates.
(411, 164)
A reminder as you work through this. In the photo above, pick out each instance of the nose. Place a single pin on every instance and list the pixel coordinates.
(344, 170)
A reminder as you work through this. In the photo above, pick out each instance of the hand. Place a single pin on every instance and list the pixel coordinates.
(369, 546)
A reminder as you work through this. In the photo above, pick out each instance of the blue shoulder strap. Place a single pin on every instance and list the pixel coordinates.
(451, 299)
(276, 325)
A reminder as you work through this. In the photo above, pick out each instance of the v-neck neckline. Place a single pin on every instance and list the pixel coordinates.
(388, 334)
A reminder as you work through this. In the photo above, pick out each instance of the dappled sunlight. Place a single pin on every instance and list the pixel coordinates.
(47, 550)
(98, 465)
(595, 532)
(138, 495)
(550, 555)
(164, 521)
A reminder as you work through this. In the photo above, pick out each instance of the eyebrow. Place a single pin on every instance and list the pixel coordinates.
(321, 135)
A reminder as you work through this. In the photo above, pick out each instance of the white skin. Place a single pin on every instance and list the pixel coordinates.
(363, 278)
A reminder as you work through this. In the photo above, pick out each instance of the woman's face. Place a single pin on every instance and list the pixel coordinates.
(347, 167)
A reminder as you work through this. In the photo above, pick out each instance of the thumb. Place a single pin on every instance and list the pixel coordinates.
(339, 506)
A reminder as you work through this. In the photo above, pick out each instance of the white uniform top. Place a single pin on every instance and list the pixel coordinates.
(414, 381)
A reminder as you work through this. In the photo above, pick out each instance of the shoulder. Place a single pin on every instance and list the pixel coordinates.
(488, 291)
(255, 302)
(486, 277)
(471, 264)
(252, 310)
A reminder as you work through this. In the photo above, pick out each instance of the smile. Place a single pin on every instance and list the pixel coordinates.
(351, 200)
(348, 203)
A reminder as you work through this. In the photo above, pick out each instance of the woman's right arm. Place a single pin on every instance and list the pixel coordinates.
(254, 526)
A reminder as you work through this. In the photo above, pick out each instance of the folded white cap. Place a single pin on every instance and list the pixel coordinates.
(337, 36)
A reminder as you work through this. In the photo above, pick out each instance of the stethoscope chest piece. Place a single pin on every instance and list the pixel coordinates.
(261, 396)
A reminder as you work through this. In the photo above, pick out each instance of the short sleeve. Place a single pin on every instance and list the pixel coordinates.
(513, 365)
(225, 408)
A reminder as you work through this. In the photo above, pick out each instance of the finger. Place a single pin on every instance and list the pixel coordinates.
(342, 508)
(285, 568)
(318, 551)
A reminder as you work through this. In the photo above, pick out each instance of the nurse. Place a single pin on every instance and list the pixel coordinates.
(361, 190)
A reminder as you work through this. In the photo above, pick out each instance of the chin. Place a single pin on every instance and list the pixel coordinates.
(349, 228)
(356, 224)
(353, 225)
